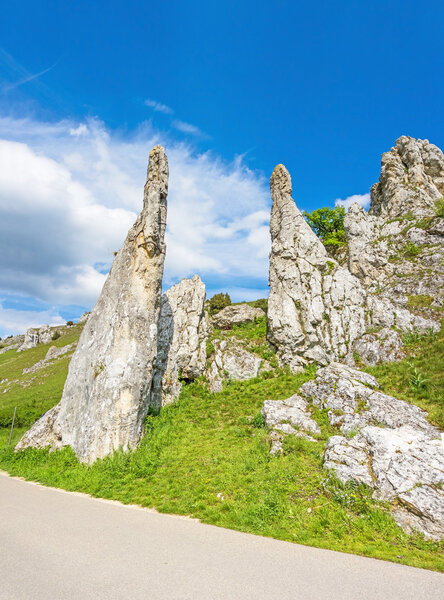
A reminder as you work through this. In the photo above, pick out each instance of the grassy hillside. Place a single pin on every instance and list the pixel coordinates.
(208, 456)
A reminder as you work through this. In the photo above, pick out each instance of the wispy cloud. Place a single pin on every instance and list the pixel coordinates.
(188, 128)
(362, 199)
(159, 107)
(71, 190)
(16, 69)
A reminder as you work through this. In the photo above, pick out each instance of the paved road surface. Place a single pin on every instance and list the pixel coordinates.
(61, 546)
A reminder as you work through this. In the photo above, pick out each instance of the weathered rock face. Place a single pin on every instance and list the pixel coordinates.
(236, 315)
(182, 334)
(106, 394)
(397, 248)
(412, 179)
(231, 361)
(384, 345)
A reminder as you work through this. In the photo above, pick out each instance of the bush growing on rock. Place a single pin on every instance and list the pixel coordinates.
(328, 225)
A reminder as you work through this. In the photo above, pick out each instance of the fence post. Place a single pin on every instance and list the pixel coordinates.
(12, 427)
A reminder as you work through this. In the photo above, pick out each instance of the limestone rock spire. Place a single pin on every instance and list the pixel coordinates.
(106, 394)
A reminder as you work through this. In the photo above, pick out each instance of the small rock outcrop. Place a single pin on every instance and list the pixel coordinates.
(106, 394)
(35, 336)
(236, 315)
(353, 400)
(181, 345)
(402, 465)
(52, 355)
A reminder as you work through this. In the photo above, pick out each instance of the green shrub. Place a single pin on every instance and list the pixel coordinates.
(69, 323)
(328, 225)
(218, 302)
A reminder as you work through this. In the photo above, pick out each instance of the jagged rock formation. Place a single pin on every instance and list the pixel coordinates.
(412, 179)
(35, 336)
(236, 315)
(181, 345)
(397, 248)
(11, 342)
(106, 394)
(316, 308)
(231, 361)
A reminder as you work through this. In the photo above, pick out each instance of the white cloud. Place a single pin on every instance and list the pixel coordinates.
(362, 199)
(13, 321)
(158, 106)
(69, 191)
(188, 128)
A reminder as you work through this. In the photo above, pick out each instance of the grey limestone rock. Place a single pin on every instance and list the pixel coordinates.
(181, 345)
(288, 417)
(412, 179)
(37, 335)
(106, 394)
(404, 464)
(236, 315)
(315, 307)
(231, 362)
(353, 401)
(384, 345)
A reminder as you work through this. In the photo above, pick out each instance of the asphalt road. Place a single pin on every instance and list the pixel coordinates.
(63, 546)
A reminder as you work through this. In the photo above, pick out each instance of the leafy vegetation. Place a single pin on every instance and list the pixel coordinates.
(328, 225)
(419, 301)
(207, 456)
(218, 302)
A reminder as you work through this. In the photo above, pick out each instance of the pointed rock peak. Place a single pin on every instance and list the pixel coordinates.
(158, 169)
(280, 182)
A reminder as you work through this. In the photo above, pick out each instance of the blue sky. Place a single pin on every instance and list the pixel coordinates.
(231, 89)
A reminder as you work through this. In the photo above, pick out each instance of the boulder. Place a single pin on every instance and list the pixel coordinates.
(106, 394)
(384, 345)
(236, 315)
(181, 345)
(404, 464)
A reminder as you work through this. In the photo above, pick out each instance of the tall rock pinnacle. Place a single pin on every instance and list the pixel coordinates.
(106, 394)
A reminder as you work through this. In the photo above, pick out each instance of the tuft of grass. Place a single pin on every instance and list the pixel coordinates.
(419, 301)
(439, 207)
(410, 250)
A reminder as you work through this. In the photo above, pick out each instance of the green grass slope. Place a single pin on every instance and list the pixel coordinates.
(207, 456)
